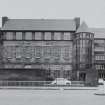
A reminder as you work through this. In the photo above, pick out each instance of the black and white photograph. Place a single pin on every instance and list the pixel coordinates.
(52, 52)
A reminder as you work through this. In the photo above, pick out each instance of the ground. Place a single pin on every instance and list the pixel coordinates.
(50, 97)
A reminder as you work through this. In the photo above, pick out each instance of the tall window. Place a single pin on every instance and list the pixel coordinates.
(38, 52)
(28, 52)
(47, 53)
(47, 36)
(18, 52)
(57, 36)
(28, 36)
(38, 35)
(18, 35)
(67, 53)
(32, 53)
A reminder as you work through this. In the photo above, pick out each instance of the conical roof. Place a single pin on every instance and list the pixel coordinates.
(83, 28)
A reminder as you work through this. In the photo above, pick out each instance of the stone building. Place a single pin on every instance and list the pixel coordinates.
(44, 49)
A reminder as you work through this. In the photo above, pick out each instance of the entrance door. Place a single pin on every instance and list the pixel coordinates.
(82, 76)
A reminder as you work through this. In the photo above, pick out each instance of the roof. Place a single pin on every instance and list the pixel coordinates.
(40, 24)
(98, 32)
(83, 28)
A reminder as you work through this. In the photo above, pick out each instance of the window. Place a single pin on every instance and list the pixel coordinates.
(8, 52)
(56, 52)
(38, 52)
(28, 36)
(18, 35)
(33, 35)
(99, 41)
(84, 35)
(57, 36)
(23, 35)
(9, 35)
(67, 36)
(18, 52)
(38, 35)
(92, 35)
(52, 35)
(28, 52)
(99, 57)
(68, 67)
(67, 53)
(87, 35)
(14, 35)
(96, 57)
(47, 36)
(47, 52)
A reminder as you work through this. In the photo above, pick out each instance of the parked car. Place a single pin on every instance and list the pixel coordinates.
(61, 81)
(100, 81)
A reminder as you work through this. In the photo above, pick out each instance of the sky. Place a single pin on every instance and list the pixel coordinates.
(90, 11)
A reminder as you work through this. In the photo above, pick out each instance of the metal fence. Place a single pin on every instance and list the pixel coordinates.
(36, 83)
(24, 83)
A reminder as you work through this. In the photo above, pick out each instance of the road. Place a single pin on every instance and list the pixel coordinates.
(50, 97)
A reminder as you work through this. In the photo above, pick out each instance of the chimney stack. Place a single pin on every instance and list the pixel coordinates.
(77, 21)
(4, 19)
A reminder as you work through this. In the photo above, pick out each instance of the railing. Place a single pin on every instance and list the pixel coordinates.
(24, 83)
(37, 83)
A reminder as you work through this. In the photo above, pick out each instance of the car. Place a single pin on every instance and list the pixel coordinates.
(61, 81)
(100, 81)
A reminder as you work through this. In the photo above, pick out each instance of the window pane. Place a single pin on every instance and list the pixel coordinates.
(38, 35)
(67, 36)
(9, 35)
(28, 35)
(57, 36)
(47, 35)
(18, 35)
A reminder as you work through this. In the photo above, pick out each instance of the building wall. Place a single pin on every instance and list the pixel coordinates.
(100, 57)
(39, 50)
(60, 54)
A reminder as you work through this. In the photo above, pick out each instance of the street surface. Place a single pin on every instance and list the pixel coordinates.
(50, 97)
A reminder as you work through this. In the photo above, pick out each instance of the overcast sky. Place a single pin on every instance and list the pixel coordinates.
(91, 11)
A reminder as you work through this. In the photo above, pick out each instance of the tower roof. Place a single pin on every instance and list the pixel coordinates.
(83, 28)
